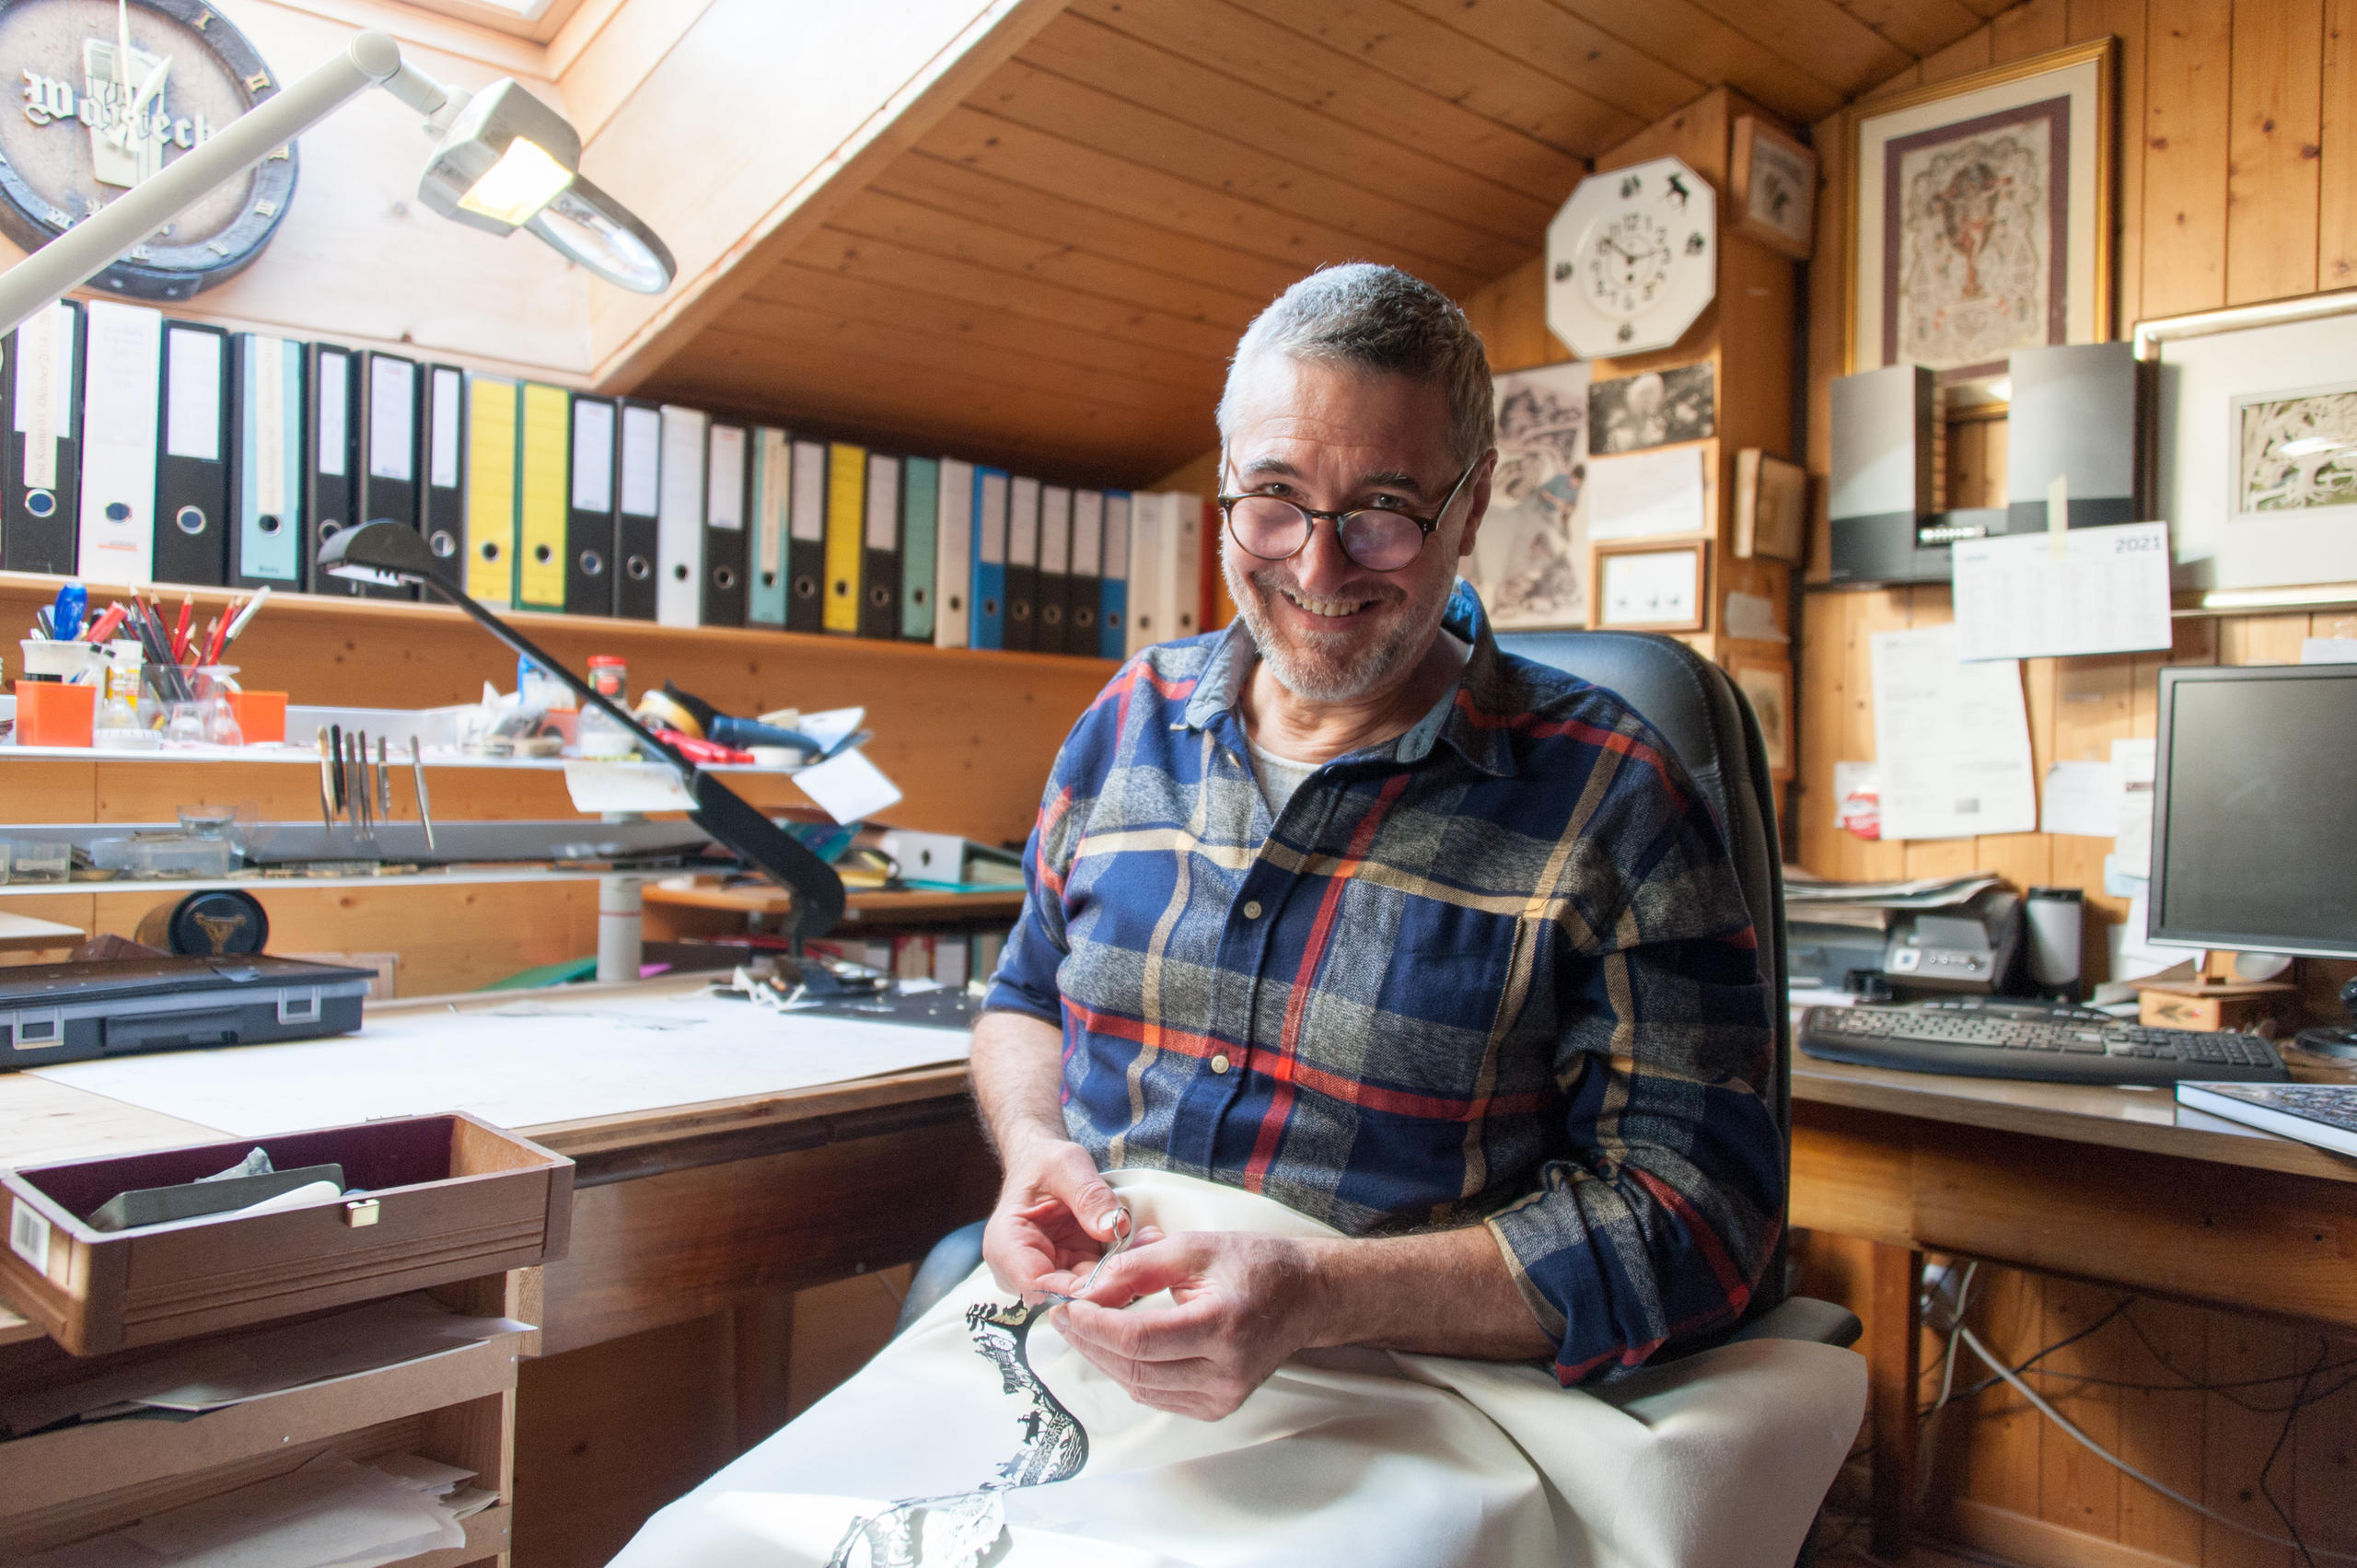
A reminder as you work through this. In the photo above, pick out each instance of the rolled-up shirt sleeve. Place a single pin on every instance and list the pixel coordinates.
(1657, 1227)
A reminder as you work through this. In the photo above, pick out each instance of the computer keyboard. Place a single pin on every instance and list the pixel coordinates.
(2058, 1050)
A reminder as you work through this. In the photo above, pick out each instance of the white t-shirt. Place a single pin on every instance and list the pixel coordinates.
(1280, 777)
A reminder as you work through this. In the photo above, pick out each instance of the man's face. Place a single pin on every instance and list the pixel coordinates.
(1337, 440)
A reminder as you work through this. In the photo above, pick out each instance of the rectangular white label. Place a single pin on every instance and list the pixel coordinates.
(642, 460)
(392, 419)
(442, 473)
(724, 504)
(809, 492)
(335, 384)
(192, 395)
(593, 455)
(28, 1234)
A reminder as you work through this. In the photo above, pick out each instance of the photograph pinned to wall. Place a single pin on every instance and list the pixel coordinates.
(1633, 413)
(1769, 687)
(1982, 212)
(2255, 460)
(1771, 505)
(1772, 179)
(1529, 560)
(1651, 587)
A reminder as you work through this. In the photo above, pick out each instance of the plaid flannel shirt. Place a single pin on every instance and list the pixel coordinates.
(1498, 970)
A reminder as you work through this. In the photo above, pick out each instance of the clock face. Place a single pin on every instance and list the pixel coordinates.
(92, 122)
(1627, 264)
(1632, 259)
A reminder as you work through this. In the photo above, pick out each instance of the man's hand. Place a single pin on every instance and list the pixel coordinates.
(1055, 1219)
(1241, 1304)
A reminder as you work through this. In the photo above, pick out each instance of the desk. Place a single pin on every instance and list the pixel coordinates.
(2116, 1186)
(680, 1211)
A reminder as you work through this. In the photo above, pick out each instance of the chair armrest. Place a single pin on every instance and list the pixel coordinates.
(1795, 1318)
(952, 1258)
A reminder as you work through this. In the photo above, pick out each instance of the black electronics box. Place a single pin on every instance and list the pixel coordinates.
(53, 1013)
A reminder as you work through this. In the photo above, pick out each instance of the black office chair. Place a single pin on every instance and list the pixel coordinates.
(1710, 725)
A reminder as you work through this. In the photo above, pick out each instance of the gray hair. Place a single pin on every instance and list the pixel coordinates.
(1371, 318)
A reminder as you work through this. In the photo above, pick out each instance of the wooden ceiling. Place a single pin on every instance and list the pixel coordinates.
(1052, 274)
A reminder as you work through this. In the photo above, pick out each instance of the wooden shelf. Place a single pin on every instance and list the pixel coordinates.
(286, 605)
(302, 756)
(877, 906)
(453, 877)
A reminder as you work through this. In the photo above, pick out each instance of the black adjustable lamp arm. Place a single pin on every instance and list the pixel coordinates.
(394, 553)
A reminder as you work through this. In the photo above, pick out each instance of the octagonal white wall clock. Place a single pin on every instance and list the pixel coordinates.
(1632, 259)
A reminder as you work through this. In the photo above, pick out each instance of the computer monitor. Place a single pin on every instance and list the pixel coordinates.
(2255, 809)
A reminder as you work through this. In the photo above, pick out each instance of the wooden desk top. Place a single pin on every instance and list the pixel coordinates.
(2149, 1121)
(41, 1120)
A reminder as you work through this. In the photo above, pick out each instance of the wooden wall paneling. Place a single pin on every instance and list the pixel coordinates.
(601, 60)
(2123, 19)
(1919, 29)
(1511, 316)
(2273, 149)
(2031, 27)
(2337, 142)
(1106, 180)
(2326, 1458)
(1835, 43)
(1048, 218)
(2187, 134)
(1991, 1452)
(1207, 146)
(2161, 1426)
(2076, 1490)
(1447, 63)
(2261, 639)
(1338, 82)
(1685, 31)
(895, 241)
(1574, 52)
(2240, 1440)
(838, 1327)
(1246, 109)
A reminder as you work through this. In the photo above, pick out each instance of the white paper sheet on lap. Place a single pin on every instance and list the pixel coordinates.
(526, 1064)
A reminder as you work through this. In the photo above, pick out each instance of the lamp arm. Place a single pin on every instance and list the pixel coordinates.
(87, 248)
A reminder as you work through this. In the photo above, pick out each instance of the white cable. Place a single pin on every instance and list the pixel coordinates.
(1947, 1384)
(2097, 1449)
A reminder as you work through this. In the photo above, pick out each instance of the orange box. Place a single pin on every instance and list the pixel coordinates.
(52, 713)
(262, 716)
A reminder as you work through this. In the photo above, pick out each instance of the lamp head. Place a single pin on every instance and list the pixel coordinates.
(386, 553)
(505, 155)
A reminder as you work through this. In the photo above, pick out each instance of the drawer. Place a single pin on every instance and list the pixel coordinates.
(448, 1198)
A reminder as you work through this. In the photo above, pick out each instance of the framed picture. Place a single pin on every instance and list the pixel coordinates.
(1980, 218)
(1642, 586)
(2255, 463)
(1769, 687)
(1529, 558)
(1773, 184)
(1771, 505)
(1653, 409)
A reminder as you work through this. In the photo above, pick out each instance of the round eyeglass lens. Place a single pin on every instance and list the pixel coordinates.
(1275, 530)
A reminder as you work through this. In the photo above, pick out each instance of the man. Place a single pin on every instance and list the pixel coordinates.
(1344, 907)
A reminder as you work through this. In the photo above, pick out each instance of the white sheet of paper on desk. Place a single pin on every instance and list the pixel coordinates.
(526, 1064)
(626, 787)
(2329, 650)
(848, 786)
(1952, 739)
(1639, 494)
(2107, 592)
(2081, 798)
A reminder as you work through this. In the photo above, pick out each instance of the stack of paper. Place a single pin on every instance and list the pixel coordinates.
(331, 1513)
(1871, 906)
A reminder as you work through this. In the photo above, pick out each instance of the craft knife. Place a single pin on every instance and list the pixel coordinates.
(327, 783)
(424, 807)
(335, 742)
(383, 784)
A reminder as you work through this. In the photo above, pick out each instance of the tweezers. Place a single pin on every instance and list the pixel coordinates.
(1123, 1228)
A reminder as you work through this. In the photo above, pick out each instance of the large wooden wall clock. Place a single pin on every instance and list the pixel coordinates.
(92, 121)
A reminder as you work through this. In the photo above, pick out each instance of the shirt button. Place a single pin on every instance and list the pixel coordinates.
(1252, 909)
(1220, 1062)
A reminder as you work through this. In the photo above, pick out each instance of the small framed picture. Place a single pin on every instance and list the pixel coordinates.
(1773, 181)
(1769, 687)
(1643, 586)
(1771, 505)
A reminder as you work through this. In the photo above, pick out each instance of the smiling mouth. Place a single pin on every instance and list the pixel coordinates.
(1326, 608)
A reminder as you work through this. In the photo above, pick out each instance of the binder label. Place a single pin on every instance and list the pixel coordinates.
(442, 472)
(335, 429)
(774, 490)
(193, 396)
(725, 491)
(44, 357)
(269, 389)
(593, 455)
(392, 419)
(642, 460)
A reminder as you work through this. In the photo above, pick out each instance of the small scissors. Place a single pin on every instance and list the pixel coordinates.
(1123, 1228)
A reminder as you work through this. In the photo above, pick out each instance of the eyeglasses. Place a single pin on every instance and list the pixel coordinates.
(1374, 539)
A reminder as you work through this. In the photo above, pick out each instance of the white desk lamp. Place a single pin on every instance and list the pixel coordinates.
(504, 161)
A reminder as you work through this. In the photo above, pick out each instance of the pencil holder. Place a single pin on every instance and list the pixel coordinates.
(261, 714)
(50, 713)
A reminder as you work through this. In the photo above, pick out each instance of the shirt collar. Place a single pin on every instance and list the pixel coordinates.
(1466, 717)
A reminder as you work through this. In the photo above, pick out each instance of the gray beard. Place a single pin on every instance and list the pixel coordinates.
(1316, 678)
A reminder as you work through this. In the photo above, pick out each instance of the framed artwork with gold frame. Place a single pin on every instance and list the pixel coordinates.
(1979, 218)
(1645, 586)
(1771, 180)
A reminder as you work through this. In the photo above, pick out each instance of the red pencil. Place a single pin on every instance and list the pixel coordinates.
(217, 628)
(179, 631)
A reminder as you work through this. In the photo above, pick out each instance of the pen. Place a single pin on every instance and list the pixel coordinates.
(237, 627)
(45, 622)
